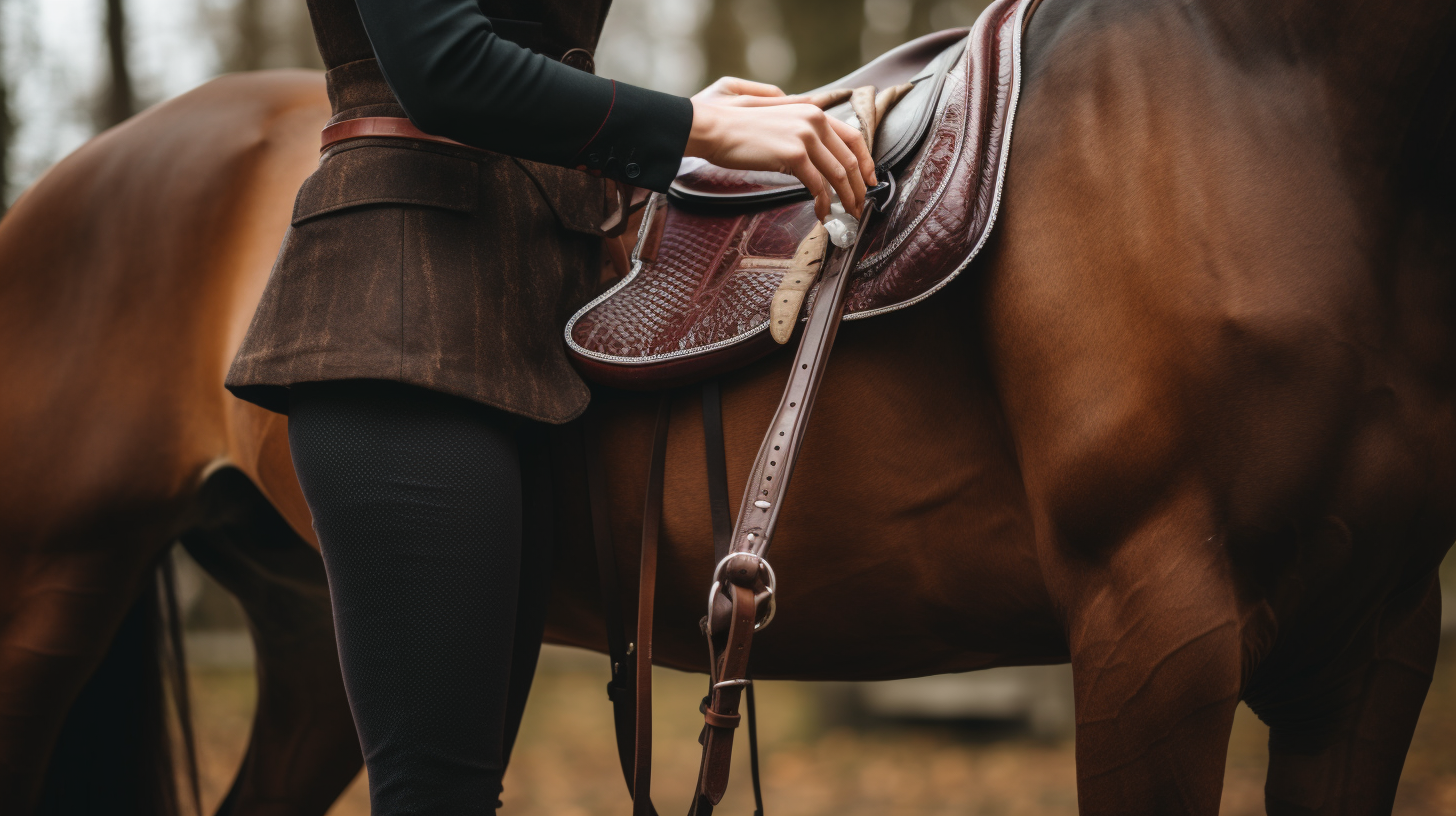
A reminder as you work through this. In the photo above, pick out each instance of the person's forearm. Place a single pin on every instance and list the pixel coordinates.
(456, 78)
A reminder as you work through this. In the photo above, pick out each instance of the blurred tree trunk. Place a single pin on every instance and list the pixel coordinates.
(826, 37)
(258, 34)
(119, 99)
(724, 42)
(303, 49)
(7, 132)
(251, 36)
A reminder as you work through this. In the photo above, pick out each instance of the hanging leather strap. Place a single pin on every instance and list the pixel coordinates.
(753, 753)
(631, 686)
(758, 512)
(622, 688)
(647, 592)
(717, 462)
(715, 456)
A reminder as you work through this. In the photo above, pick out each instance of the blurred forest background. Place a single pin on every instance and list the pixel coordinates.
(71, 68)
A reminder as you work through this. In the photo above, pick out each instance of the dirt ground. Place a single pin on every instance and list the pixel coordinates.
(815, 763)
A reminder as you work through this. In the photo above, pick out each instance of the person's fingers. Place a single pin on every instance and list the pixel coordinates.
(837, 166)
(805, 171)
(833, 171)
(734, 86)
(850, 162)
(748, 87)
(746, 101)
(855, 141)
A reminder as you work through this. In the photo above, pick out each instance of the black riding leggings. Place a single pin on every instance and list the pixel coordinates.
(438, 608)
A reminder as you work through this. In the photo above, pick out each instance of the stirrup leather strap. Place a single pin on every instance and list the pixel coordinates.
(759, 510)
(631, 686)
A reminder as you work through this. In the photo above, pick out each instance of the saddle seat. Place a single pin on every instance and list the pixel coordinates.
(710, 253)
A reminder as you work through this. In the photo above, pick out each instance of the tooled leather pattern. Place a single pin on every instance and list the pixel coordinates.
(697, 293)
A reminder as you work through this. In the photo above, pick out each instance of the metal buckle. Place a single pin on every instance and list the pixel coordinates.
(717, 584)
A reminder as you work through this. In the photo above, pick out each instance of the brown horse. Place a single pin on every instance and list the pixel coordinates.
(1190, 423)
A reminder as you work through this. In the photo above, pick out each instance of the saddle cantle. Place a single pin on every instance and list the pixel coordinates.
(710, 253)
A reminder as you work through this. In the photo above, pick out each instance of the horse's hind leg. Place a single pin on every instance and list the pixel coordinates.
(303, 750)
(61, 606)
(1156, 638)
(1337, 742)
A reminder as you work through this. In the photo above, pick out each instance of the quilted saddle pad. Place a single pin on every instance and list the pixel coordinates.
(696, 302)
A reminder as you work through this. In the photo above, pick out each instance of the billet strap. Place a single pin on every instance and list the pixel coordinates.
(646, 598)
(758, 513)
(717, 461)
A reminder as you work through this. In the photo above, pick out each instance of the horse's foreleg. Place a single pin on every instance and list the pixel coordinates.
(1156, 640)
(303, 750)
(1337, 742)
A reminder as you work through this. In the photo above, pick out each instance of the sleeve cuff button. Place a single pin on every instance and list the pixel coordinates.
(632, 170)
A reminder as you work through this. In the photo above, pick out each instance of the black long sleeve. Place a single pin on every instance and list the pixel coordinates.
(456, 78)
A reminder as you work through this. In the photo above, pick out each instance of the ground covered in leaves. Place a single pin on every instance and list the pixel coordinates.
(817, 761)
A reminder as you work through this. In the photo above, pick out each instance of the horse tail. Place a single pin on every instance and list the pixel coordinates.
(115, 753)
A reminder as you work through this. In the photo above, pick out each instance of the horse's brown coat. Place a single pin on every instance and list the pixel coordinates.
(1190, 423)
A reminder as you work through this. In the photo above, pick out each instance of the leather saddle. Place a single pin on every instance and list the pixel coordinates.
(723, 260)
(711, 252)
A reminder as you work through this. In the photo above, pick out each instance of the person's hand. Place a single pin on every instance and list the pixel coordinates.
(745, 93)
(745, 125)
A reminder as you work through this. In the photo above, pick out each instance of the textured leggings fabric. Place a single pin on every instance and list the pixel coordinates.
(438, 608)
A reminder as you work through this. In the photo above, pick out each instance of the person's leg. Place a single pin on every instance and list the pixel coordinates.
(416, 499)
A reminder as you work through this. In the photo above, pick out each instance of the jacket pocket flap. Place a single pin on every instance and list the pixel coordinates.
(582, 203)
(388, 175)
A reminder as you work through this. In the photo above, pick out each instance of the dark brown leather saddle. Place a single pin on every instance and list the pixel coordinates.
(710, 254)
(727, 264)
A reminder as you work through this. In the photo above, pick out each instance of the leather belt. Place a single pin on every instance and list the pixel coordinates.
(373, 127)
